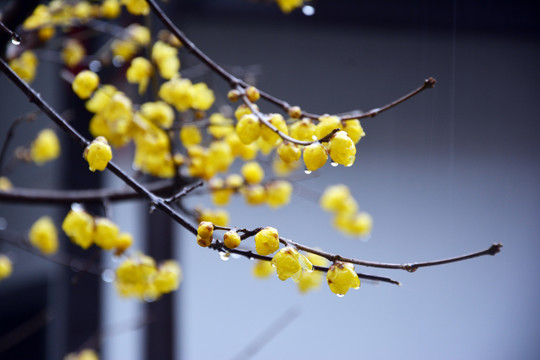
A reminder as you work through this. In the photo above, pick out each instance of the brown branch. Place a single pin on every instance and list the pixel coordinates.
(234, 81)
(53, 196)
(34, 97)
(9, 135)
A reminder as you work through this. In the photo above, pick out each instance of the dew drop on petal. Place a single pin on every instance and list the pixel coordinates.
(340, 295)
(149, 298)
(108, 275)
(224, 255)
(307, 172)
(334, 164)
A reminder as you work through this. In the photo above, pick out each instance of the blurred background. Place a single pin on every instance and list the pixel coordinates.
(450, 171)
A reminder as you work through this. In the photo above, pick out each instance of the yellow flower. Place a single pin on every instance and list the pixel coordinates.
(45, 147)
(278, 193)
(269, 135)
(43, 235)
(25, 65)
(159, 112)
(252, 172)
(168, 277)
(73, 52)
(98, 154)
(6, 267)
(110, 9)
(338, 199)
(5, 184)
(354, 130)
(166, 58)
(290, 263)
(341, 149)
(289, 5)
(248, 129)
(85, 83)
(315, 156)
(137, 7)
(267, 241)
(231, 239)
(289, 152)
(341, 277)
(204, 233)
(312, 280)
(105, 233)
(203, 97)
(190, 135)
(139, 72)
(326, 125)
(177, 92)
(303, 130)
(254, 194)
(79, 227)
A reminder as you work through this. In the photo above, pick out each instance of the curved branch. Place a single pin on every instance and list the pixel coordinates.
(53, 196)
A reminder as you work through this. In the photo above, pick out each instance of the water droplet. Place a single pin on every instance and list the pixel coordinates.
(310, 269)
(308, 10)
(16, 39)
(340, 295)
(149, 298)
(224, 255)
(3, 223)
(118, 61)
(349, 165)
(307, 172)
(334, 164)
(108, 275)
(95, 65)
(77, 207)
(235, 256)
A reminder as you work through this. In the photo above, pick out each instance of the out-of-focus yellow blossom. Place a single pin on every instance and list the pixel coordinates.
(262, 269)
(354, 130)
(246, 152)
(5, 184)
(86, 354)
(85, 83)
(124, 49)
(338, 199)
(79, 227)
(282, 168)
(139, 72)
(165, 57)
(39, 18)
(73, 52)
(359, 224)
(152, 150)
(220, 156)
(25, 65)
(177, 92)
(43, 235)
(105, 233)
(218, 217)
(312, 280)
(115, 120)
(82, 11)
(242, 110)
(269, 135)
(168, 277)
(139, 34)
(123, 242)
(100, 99)
(45, 147)
(254, 194)
(6, 267)
(289, 5)
(341, 277)
(98, 154)
(252, 172)
(45, 33)
(203, 97)
(159, 113)
(267, 241)
(110, 9)
(278, 193)
(190, 135)
(220, 125)
(137, 7)
(342, 149)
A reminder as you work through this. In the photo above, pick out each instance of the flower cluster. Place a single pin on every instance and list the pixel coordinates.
(338, 200)
(138, 276)
(85, 230)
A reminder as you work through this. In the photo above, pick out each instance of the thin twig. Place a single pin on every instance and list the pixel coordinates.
(186, 190)
(9, 135)
(25, 329)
